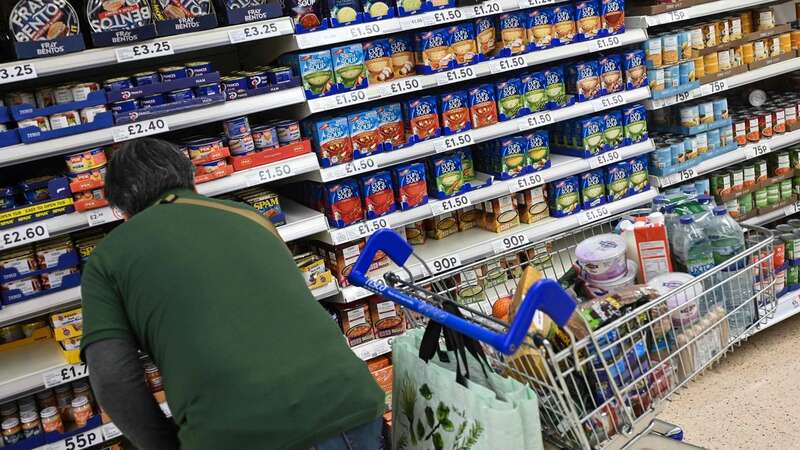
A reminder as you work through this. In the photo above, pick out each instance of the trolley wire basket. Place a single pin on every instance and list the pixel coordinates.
(598, 386)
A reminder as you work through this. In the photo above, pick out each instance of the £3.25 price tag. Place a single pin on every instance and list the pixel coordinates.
(509, 242)
(444, 263)
(605, 158)
(145, 50)
(526, 182)
(756, 150)
(456, 75)
(269, 173)
(506, 64)
(14, 237)
(17, 72)
(594, 214)
(450, 204)
(64, 375)
(139, 129)
(453, 142)
(258, 31)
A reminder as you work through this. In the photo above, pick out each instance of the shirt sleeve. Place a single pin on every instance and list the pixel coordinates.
(104, 315)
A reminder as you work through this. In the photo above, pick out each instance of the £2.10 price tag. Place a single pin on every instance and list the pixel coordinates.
(139, 129)
(444, 263)
(17, 72)
(509, 242)
(145, 50)
(506, 64)
(450, 204)
(456, 75)
(487, 8)
(526, 182)
(266, 174)
(594, 214)
(258, 31)
(605, 158)
(14, 237)
(64, 375)
(453, 142)
(756, 150)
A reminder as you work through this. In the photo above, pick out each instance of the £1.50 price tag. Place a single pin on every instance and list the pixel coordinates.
(526, 182)
(506, 64)
(359, 165)
(444, 263)
(139, 129)
(401, 86)
(450, 204)
(367, 228)
(536, 120)
(608, 102)
(509, 242)
(598, 45)
(349, 98)
(448, 15)
(453, 142)
(64, 375)
(17, 72)
(456, 75)
(372, 29)
(268, 173)
(14, 237)
(756, 150)
(605, 158)
(594, 214)
(145, 50)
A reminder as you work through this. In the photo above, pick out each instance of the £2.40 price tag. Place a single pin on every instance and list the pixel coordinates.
(509, 242)
(14, 237)
(605, 158)
(450, 204)
(64, 375)
(487, 8)
(456, 75)
(139, 129)
(453, 142)
(526, 182)
(17, 72)
(594, 214)
(506, 64)
(756, 150)
(258, 31)
(145, 50)
(269, 173)
(444, 263)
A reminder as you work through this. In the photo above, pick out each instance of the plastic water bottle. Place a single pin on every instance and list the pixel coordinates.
(702, 214)
(727, 241)
(692, 248)
(658, 203)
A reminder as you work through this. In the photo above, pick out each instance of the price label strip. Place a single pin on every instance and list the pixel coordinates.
(526, 182)
(536, 120)
(450, 204)
(145, 50)
(14, 237)
(367, 228)
(672, 16)
(446, 16)
(370, 29)
(259, 31)
(523, 4)
(401, 86)
(683, 175)
(756, 150)
(791, 209)
(79, 441)
(102, 216)
(593, 215)
(598, 45)
(605, 158)
(110, 431)
(17, 72)
(268, 173)
(139, 129)
(444, 263)
(714, 87)
(374, 349)
(487, 8)
(509, 242)
(608, 102)
(453, 142)
(64, 375)
(456, 75)
(506, 64)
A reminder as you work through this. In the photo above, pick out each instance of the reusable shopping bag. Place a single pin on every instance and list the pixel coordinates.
(454, 400)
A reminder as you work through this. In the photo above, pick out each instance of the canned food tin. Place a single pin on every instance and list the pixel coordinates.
(64, 119)
(24, 286)
(656, 77)
(766, 19)
(760, 50)
(781, 163)
(256, 80)
(720, 107)
(778, 120)
(699, 67)
(748, 53)
(732, 206)
(672, 77)
(172, 73)
(749, 174)
(117, 84)
(179, 95)
(700, 144)
(36, 189)
(39, 122)
(145, 78)
(669, 48)
(790, 113)
(236, 127)
(209, 89)
(711, 63)
(702, 186)
(45, 97)
(684, 45)
(210, 167)
(687, 74)
(773, 194)
(677, 151)
(713, 140)
(785, 42)
(63, 95)
(98, 174)
(288, 131)
(661, 158)
(241, 145)
(81, 91)
(653, 53)
(760, 197)
(89, 113)
(792, 276)
(198, 68)
(737, 178)
(86, 160)
(200, 149)
(709, 34)
(735, 23)
(724, 60)
(747, 21)
(752, 130)
(786, 190)
(265, 137)
(774, 45)
(690, 149)
(124, 106)
(697, 40)
(690, 116)
(279, 75)
(794, 157)
(91, 194)
(152, 100)
(795, 39)
(723, 31)
(706, 112)
(20, 98)
(720, 183)
(762, 172)
(765, 125)
(234, 86)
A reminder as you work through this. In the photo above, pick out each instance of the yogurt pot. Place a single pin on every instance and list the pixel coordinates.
(627, 280)
(688, 311)
(602, 258)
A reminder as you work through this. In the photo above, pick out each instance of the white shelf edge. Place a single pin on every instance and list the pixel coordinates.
(772, 216)
(373, 348)
(35, 307)
(301, 221)
(48, 360)
(788, 306)
(250, 177)
(329, 290)
(691, 12)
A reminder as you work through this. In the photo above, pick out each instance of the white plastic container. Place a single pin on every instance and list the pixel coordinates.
(688, 312)
(626, 280)
(602, 258)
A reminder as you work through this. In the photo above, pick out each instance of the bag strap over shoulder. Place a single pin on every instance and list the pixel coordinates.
(250, 215)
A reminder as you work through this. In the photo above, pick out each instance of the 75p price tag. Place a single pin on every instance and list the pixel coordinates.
(756, 150)
(145, 50)
(268, 173)
(683, 175)
(17, 72)
(672, 16)
(526, 182)
(714, 87)
(593, 215)
(258, 31)
(509, 242)
(453, 142)
(64, 375)
(13, 237)
(444, 263)
(139, 129)
(450, 204)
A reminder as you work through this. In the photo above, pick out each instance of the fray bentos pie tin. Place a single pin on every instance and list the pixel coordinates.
(40, 20)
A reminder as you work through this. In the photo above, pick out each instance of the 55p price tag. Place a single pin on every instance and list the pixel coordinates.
(64, 375)
(22, 235)
(139, 129)
(450, 204)
(17, 72)
(145, 50)
(509, 242)
(444, 263)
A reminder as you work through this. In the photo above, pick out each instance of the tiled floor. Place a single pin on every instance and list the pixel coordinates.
(751, 400)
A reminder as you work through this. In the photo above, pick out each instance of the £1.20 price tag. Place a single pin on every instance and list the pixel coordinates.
(17, 236)
(444, 263)
(509, 242)
(266, 174)
(17, 72)
(526, 182)
(64, 375)
(593, 215)
(145, 50)
(139, 129)
(487, 8)
(450, 204)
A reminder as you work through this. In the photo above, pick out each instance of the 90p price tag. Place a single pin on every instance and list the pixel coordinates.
(145, 50)
(509, 242)
(444, 263)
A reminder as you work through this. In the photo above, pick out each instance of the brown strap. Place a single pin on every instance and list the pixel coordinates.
(251, 215)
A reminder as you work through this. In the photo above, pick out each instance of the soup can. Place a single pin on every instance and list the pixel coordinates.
(785, 42)
(656, 77)
(145, 78)
(748, 53)
(265, 137)
(677, 151)
(662, 158)
(737, 178)
(760, 50)
(710, 38)
(720, 183)
(698, 43)
(745, 204)
(288, 131)
(778, 120)
(653, 54)
(746, 17)
(774, 44)
(172, 73)
(180, 95)
(724, 60)
(236, 127)
(241, 145)
(198, 68)
(720, 106)
(786, 190)
(89, 113)
(701, 143)
(684, 45)
(124, 106)
(672, 78)
(713, 139)
(64, 119)
(211, 166)
(706, 112)
(726, 136)
(690, 116)
(795, 35)
(766, 19)
(753, 130)
(762, 170)
(669, 48)
(699, 67)
(711, 63)
(152, 100)
(765, 125)
(749, 175)
(735, 23)
(687, 74)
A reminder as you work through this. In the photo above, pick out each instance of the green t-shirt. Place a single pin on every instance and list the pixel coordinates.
(249, 359)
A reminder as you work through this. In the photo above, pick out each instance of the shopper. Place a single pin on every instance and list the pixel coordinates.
(208, 289)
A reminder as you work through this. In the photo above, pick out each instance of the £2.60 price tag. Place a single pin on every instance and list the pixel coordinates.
(145, 50)
(450, 204)
(453, 142)
(65, 375)
(509, 242)
(594, 214)
(756, 150)
(14, 237)
(17, 72)
(444, 263)
(268, 173)
(139, 129)
(506, 64)
(526, 182)
(456, 75)
(605, 158)
(256, 32)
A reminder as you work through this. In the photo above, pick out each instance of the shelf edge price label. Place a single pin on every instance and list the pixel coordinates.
(534, 3)
(145, 50)
(680, 97)
(363, 30)
(456, 75)
(401, 86)
(598, 45)
(139, 129)
(81, 440)
(526, 182)
(683, 175)
(367, 228)
(102, 216)
(608, 102)
(450, 204)
(714, 87)
(268, 173)
(487, 8)
(64, 375)
(110, 431)
(255, 32)
(506, 64)
(756, 150)
(453, 142)
(32, 232)
(791, 209)
(349, 98)
(448, 15)
(594, 214)
(17, 72)
(509, 242)
(605, 158)
(444, 263)
(359, 165)
(536, 120)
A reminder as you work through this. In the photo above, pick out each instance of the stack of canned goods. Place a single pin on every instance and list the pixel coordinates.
(27, 261)
(238, 83)
(787, 257)
(241, 139)
(162, 75)
(776, 113)
(60, 95)
(89, 166)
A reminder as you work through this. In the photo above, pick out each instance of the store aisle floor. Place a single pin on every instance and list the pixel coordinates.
(751, 400)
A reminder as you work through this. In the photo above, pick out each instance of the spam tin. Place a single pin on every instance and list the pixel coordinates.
(555, 88)
(635, 70)
(614, 133)
(332, 139)
(538, 149)
(486, 36)
(584, 80)
(513, 32)
(41, 20)
(540, 29)
(593, 188)
(564, 196)
(403, 64)
(634, 120)
(200, 149)
(390, 119)
(612, 12)
(533, 91)
(564, 24)
(316, 71)
(365, 134)
(462, 44)
(349, 68)
(241, 145)
(511, 157)
(638, 178)
(181, 9)
(180, 94)
(591, 135)
(446, 177)
(378, 195)
(455, 112)
(617, 180)
(588, 21)
(279, 75)
(422, 119)
(256, 79)
(378, 60)
(343, 203)
(264, 137)
(433, 51)
(510, 99)
(482, 105)
(267, 204)
(344, 12)
(612, 79)
(145, 78)
(412, 189)
(104, 15)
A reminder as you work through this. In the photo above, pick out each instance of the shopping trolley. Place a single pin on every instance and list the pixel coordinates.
(605, 388)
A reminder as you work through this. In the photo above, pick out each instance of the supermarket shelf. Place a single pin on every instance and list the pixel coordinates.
(329, 290)
(788, 306)
(69, 223)
(300, 221)
(261, 174)
(692, 12)
(772, 216)
(561, 167)
(758, 149)
(42, 305)
(373, 349)
(421, 82)
(433, 146)
(443, 17)
(22, 369)
(85, 439)
(724, 84)
(475, 244)
(100, 57)
(16, 154)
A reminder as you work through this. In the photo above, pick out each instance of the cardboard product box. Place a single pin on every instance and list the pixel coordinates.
(71, 331)
(415, 233)
(355, 321)
(386, 316)
(67, 317)
(500, 214)
(439, 227)
(468, 218)
(532, 205)
(341, 258)
(313, 269)
(379, 363)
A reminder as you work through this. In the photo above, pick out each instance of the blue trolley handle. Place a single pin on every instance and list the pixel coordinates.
(545, 295)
